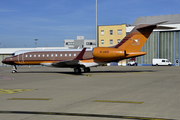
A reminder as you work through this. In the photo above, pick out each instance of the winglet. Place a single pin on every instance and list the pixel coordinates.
(81, 54)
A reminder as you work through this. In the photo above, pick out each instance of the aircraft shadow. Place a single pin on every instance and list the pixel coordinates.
(92, 72)
(81, 115)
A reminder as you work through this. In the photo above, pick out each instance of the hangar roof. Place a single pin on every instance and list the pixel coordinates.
(172, 19)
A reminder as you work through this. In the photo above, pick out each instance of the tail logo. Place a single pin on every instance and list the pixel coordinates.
(135, 42)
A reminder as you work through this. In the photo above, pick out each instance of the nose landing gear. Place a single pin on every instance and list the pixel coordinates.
(14, 69)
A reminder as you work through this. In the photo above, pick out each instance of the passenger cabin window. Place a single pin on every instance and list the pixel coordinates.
(163, 60)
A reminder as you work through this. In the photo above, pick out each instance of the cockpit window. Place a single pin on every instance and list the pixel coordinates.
(13, 54)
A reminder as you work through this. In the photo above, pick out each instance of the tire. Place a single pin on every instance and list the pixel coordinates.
(77, 70)
(87, 69)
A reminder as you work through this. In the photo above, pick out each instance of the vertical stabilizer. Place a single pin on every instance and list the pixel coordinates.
(136, 38)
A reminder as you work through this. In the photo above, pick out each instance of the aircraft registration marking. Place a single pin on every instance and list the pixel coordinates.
(11, 91)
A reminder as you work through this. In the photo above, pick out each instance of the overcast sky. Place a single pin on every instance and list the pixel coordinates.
(52, 21)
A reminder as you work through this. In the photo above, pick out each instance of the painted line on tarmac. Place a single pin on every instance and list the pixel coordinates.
(118, 101)
(29, 99)
(82, 115)
(8, 78)
(11, 91)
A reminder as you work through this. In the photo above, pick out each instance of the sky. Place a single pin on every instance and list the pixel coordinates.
(53, 21)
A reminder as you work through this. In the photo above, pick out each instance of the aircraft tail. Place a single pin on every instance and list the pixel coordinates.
(136, 38)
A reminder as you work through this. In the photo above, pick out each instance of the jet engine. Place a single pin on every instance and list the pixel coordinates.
(108, 53)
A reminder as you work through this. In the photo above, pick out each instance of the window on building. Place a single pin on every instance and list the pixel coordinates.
(65, 55)
(102, 32)
(47, 55)
(43, 55)
(51, 55)
(88, 43)
(34, 55)
(26, 55)
(111, 32)
(69, 54)
(56, 55)
(102, 42)
(30, 56)
(119, 32)
(39, 55)
(69, 43)
(118, 41)
(61, 55)
(111, 41)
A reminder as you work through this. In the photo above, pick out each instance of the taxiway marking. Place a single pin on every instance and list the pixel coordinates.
(118, 101)
(29, 99)
(4, 77)
(11, 91)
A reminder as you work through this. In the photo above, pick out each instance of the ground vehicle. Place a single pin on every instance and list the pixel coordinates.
(161, 62)
(132, 63)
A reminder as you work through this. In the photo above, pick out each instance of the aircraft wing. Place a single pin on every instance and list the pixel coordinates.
(71, 63)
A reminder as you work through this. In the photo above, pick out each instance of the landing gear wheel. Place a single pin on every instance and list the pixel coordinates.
(87, 69)
(14, 71)
(77, 70)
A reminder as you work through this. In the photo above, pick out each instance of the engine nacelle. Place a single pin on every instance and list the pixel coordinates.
(108, 53)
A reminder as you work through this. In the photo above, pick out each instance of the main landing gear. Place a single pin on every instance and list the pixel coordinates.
(78, 70)
(14, 69)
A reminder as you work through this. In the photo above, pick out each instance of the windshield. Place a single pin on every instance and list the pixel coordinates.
(13, 54)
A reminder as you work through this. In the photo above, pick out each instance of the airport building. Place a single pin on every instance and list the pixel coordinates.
(80, 42)
(110, 35)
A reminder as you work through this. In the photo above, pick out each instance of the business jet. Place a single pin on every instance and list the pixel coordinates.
(84, 58)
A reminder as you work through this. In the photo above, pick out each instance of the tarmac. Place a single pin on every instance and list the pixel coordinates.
(107, 92)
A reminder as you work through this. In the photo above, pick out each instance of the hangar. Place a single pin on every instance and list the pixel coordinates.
(161, 43)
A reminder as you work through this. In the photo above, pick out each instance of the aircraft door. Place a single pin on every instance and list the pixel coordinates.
(21, 58)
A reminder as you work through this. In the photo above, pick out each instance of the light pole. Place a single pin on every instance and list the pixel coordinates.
(36, 42)
(96, 26)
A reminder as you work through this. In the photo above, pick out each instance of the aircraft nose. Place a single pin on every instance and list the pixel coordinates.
(5, 61)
